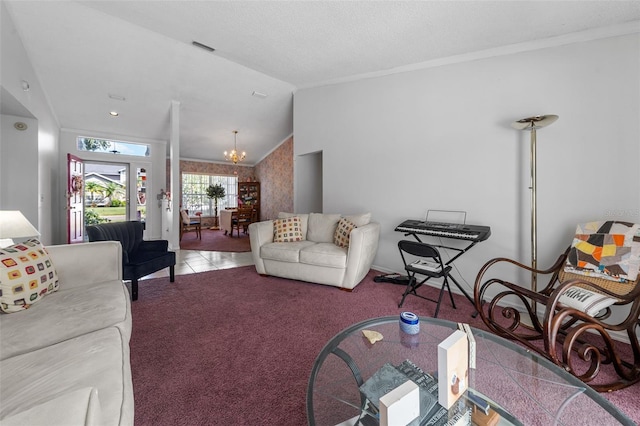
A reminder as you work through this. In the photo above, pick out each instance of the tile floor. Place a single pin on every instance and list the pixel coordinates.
(192, 261)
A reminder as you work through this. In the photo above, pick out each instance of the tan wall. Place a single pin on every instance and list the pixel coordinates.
(275, 173)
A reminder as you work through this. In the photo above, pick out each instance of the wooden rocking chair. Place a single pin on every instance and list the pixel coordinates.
(568, 328)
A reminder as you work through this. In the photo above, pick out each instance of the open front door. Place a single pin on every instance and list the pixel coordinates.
(75, 199)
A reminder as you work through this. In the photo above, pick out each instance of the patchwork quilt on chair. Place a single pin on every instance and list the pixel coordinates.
(606, 249)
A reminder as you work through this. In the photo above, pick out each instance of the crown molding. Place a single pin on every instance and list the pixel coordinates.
(577, 37)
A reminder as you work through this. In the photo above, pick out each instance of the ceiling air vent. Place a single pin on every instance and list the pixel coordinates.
(203, 46)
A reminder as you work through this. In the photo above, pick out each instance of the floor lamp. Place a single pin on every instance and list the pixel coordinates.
(532, 124)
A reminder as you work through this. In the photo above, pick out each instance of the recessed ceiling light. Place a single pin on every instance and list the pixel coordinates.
(113, 113)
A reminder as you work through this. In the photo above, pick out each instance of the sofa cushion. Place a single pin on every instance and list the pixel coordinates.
(104, 303)
(304, 219)
(80, 407)
(324, 254)
(284, 252)
(26, 275)
(359, 219)
(287, 230)
(95, 360)
(322, 227)
(343, 230)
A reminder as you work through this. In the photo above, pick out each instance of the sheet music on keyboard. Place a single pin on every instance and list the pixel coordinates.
(446, 217)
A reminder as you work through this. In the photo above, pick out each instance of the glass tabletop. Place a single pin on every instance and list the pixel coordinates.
(530, 389)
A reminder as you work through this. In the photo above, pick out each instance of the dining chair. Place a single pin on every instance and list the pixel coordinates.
(241, 219)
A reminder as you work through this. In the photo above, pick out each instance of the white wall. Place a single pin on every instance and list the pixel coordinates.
(308, 192)
(49, 165)
(440, 138)
(16, 67)
(16, 148)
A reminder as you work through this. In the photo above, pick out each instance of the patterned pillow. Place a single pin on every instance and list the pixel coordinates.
(26, 275)
(343, 231)
(609, 250)
(287, 230)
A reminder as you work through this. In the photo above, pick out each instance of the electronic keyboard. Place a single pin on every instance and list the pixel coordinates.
(447, 230)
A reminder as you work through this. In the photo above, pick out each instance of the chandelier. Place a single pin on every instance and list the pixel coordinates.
(234, 156)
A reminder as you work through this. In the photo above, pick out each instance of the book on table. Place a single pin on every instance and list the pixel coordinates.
(453, 368)
(472, 405)
(389, 377)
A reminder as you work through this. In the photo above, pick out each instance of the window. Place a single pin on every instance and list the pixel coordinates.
(194, 193)
(113, 147)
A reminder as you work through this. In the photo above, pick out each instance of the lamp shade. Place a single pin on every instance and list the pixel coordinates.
(535, 122)
(13, 224)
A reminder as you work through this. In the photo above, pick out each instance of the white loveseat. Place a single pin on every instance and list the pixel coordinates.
(65, 359)
(316, 257)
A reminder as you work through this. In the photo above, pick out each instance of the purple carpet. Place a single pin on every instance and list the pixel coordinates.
(215, 240)
(230, 347)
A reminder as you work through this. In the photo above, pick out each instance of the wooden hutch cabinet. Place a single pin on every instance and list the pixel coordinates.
(249, 194)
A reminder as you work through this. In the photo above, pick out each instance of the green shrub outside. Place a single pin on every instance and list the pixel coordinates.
(91, 217)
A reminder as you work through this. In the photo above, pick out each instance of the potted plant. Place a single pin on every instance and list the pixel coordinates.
(216, 192)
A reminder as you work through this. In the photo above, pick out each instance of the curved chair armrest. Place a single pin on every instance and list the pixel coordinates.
(496, 307)
(363, 246)
(260, 233)
(154, 245)
(554, 269)
(556, 313)
(86, 263)
(564, 286)
(569, 325)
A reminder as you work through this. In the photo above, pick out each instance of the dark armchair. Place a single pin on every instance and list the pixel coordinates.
(139, 257)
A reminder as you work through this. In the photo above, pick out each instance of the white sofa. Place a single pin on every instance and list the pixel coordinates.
(316, 258)
(65, 359)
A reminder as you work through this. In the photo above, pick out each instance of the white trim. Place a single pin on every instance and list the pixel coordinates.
(274, 148)
(227, 163)
(577, 37)
(241, 164)
(113, 136)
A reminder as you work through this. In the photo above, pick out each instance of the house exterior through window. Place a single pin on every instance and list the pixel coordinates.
(194, 193)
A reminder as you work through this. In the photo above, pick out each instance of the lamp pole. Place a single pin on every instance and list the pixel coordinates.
(532, 124)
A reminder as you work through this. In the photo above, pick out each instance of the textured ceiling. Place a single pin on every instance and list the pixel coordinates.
(141, 50)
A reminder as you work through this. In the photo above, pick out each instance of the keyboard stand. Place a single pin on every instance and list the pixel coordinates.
(460, 252)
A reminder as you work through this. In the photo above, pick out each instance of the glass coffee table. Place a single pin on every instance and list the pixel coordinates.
(523, 387)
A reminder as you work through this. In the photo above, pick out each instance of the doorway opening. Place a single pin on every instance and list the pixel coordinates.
(105, 192)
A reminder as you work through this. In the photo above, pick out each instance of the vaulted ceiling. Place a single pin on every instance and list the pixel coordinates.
(136, 57)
